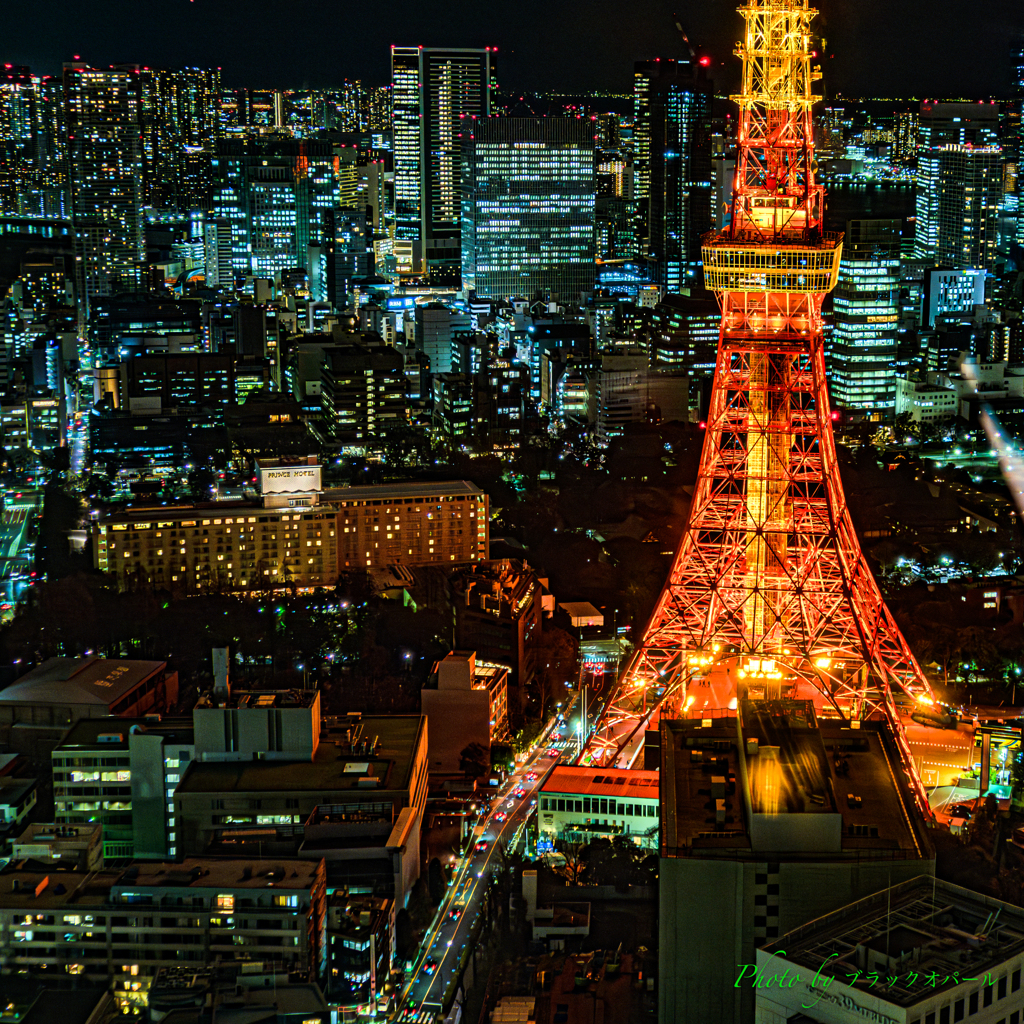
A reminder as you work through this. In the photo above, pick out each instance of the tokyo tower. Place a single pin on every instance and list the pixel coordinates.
(769, 594)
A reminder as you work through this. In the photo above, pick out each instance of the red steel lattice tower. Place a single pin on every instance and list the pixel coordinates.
(769, 587)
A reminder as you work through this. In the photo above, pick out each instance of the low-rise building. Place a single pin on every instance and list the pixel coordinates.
(264, 725)
(121, 775)
(76, 847)
(793, 816)
(469, 705)
(497, 609)
(368, 852)
(361, 942)
(578, 803)
(17, 798)
(367, 776)
(124, 925)
(926, 402)
(37, 709)
(238, 990)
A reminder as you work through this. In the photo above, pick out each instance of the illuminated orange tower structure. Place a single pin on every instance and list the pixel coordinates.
(769, 589)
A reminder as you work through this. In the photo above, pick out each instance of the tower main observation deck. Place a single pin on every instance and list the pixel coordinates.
(769, 594)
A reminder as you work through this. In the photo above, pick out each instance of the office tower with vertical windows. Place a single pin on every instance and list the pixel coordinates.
(528, 207)
(959, 184)
(275, 199)
(105, 175)
(959, 189)
(866, 316)
(672, 167)
(432, 90)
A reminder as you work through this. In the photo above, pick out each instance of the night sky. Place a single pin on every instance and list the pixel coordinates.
(878, 47)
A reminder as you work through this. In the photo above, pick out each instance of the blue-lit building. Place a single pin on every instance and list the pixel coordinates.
(866, 311)
(274, 199)
(672, 170)
(528, 207)
(952, 293)
(349, 253)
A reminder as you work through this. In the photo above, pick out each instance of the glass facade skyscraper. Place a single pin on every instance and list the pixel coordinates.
(866, 310)
(432, 90)
(528, 207)
(672, 167)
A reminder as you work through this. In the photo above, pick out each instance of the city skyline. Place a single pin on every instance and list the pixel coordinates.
(521, 535)
(869, 50)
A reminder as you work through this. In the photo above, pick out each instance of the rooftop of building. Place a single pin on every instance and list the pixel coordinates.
(49, 832)
(88, 680)
(22, 885)
(13, 790)
(204, 514)
(334, 766)
(624, 782)
(511, 576)
(28, 1000)
(411, 489)
(242, 699)
(39, 887)
(86, 733)
(778, 760)
(356, 916)
(218, 873)
(924, 923)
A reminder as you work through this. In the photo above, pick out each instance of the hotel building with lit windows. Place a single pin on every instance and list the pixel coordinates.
(300, 536)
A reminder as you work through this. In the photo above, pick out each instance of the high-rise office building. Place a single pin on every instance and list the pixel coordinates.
(959, 184)
(105, 175)
(672, 166)
(275, 199)
(528, 207)
(959, 187)
(363, 391)
(432, 89)
(349, 253)
(866, 315)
